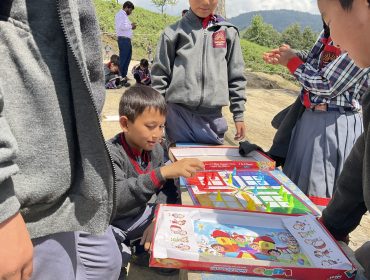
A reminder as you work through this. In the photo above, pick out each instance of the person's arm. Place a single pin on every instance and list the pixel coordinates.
(133, 192)
(332, 80)
(237, 83)
(15, 243)
(163, 64)
(347, 206)
(8, 149)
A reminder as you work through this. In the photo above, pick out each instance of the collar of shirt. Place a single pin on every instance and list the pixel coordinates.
(211, 20)
(142, 158)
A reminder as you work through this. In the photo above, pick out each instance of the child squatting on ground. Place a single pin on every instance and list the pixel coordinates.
(199, 68)
(140, 172)
(141, 72)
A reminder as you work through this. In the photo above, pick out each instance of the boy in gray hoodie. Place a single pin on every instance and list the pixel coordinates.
(140, 172)
(199, 69)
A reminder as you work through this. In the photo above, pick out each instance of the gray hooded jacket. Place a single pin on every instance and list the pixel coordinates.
(54, 165)
(201, 69)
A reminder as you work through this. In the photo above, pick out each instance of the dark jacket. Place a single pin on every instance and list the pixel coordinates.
(352, 196)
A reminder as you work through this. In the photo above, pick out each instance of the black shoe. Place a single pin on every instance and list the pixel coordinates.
(141, 259)
(165, 271)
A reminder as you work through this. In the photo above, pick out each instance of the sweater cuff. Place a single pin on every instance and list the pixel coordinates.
(157, 178)
(238, 117)
(9, 203)
(294, 63)
(339, 236)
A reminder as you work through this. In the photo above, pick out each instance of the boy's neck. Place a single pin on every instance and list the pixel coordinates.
(134, 150)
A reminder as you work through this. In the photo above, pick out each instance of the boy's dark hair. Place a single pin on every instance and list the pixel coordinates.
(326, 29)
(114, 59)
(128, 4)
(144, 62)
(139, 97)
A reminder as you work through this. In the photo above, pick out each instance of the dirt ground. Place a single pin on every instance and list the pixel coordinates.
(267, 95)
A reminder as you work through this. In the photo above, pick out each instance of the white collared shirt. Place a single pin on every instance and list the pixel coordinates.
(123, 24)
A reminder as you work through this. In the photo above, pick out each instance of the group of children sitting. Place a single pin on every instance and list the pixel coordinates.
(114, 80)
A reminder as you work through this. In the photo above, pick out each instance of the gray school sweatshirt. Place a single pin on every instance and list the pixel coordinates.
(201, 69)
(54, 165)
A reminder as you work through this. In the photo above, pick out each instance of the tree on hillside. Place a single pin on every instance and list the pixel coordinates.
(262, 33)
(309, 38)
(162, 3)
(292, 36)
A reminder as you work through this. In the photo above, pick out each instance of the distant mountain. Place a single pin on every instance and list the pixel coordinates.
(279, 19)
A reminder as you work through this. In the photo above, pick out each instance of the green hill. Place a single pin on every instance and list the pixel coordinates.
(149, 27)
(280, 19)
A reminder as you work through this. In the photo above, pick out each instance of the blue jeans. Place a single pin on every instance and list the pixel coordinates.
(125, 53)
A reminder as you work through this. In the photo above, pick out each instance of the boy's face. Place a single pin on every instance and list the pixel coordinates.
(349, 28)
(146, 131)
(114, 68)
(203, 8)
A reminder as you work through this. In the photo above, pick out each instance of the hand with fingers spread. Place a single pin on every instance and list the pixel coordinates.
(16, 250)
(272, 57)
(186, 167)
(281, 56)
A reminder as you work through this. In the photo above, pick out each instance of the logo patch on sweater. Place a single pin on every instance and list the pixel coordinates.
(219, 39)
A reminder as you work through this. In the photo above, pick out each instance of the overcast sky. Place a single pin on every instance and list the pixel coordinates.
(236, 7)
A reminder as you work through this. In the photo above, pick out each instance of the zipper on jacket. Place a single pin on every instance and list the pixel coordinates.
(203, 69)
(114, 193)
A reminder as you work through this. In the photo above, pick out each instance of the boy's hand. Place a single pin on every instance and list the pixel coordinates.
(146, 239)
(286, 54)
(272, 57)
(133, 25)
(240, 131)
(185, 167)
(15, 250)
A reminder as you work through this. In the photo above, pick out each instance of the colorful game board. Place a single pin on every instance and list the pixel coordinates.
(242, 242)
(244, 190)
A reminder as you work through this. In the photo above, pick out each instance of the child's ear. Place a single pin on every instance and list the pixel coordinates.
(123, 121)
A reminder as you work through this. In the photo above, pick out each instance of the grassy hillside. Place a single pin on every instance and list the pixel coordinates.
(149, 28)
(252, 54)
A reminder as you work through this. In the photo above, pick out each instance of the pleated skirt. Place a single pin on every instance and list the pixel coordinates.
(321, 141)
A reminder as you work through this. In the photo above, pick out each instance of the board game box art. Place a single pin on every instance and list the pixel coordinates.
(249, 243)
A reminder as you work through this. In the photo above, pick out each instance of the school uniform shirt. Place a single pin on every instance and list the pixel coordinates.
(329, 77)
(123, 25)
(138, 175)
